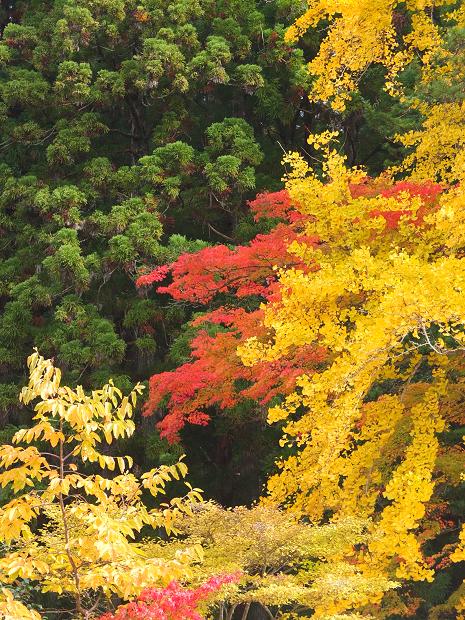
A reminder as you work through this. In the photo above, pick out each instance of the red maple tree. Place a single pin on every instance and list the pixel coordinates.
(171, 603)
(246, 275)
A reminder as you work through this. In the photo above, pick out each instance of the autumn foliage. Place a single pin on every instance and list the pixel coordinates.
(365, 431)
(245, 275)
(174, 602)
(332, 310)
(215, 376)
(85, 543)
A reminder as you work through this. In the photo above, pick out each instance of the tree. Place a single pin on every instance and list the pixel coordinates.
(283, 565)
(390, 349)
(237, 278)
(386, 304)
(68, 529)
(171, 603)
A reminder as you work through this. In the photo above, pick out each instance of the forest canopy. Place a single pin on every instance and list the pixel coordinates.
(232, 316)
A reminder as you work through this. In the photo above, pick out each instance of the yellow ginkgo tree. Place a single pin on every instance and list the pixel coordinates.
(71, 531)
(384, 295)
